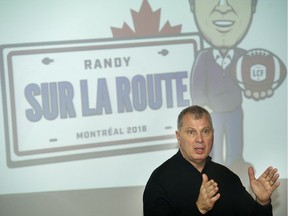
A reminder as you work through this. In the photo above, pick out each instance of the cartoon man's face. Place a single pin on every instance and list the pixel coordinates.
(223, 23)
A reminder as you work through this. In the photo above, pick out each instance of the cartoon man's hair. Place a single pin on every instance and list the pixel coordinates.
(192, 3)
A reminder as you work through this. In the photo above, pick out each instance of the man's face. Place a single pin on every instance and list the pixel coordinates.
(195, 139)
(223, 23)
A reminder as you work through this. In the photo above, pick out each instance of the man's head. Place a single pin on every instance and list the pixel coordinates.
(195, 135)
(223, 23)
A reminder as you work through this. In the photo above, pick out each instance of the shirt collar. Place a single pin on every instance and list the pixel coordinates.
(223, 61)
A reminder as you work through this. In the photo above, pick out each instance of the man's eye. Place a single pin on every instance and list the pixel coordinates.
(191, 132)
(206, 132)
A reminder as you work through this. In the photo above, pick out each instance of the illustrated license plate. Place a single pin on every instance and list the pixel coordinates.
(69, 101)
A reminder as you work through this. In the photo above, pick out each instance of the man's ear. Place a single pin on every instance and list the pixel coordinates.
(254, 3)
(177, 135)
(192, 3)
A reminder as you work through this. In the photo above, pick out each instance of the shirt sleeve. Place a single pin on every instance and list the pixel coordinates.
(157, 203)
(198, 82)
(247, 205)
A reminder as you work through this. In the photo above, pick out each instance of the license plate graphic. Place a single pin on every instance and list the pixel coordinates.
(85, 99)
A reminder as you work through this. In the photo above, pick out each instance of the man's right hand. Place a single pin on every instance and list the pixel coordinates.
(208, 195)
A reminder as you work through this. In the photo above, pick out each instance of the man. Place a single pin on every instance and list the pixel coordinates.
(190, 183)
(222, 24)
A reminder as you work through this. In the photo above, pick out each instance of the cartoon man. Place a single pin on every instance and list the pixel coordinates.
(223, 24)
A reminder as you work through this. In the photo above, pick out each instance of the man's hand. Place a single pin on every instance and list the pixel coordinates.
(208, 195)
(264, 186)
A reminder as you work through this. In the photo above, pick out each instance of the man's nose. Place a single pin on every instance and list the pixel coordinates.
(223, 6)
(199, 137)
(222, 2)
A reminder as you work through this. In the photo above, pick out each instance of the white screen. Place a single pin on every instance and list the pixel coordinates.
(91, 107)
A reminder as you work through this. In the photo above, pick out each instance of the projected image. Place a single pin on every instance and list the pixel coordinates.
(91, 91)
(223, 73)
(92, 97)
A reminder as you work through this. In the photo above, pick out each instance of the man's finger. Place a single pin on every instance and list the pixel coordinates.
(267, 172)
(215, 198)
(204, 178)
(251, 174)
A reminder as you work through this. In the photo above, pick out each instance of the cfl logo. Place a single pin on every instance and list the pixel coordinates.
(258, 73)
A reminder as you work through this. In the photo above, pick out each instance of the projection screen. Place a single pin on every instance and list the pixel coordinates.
(91, 91)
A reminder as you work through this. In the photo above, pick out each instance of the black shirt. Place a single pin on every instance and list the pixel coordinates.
(173, 189)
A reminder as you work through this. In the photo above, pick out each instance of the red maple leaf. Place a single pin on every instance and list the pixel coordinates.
(146, 23)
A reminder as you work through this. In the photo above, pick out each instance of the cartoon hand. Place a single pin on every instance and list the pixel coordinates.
(256, 95)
